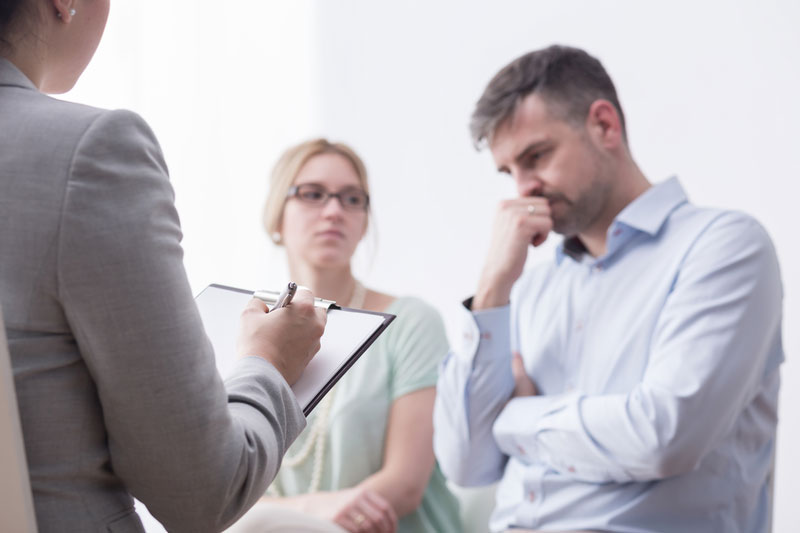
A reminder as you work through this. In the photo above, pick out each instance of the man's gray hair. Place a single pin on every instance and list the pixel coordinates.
(568, 79)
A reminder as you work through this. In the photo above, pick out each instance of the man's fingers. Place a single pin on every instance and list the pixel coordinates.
(523, 384)
(517, 366)
(530, 205)
(530, 217)
(539, 238)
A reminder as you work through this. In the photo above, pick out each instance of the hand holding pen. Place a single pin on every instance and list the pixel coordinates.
(288, 339)
(286, 295)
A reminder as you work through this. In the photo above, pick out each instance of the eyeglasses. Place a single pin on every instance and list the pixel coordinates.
(350, 198)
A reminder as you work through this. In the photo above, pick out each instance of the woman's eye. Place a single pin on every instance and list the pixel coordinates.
(311, 195)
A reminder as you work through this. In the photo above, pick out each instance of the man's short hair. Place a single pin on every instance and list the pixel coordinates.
(568, 79)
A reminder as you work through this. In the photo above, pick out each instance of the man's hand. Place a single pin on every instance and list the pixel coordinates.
(518, 223)
(287, 337)
(523, 385)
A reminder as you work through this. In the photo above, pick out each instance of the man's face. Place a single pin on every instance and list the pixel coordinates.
(550, 158)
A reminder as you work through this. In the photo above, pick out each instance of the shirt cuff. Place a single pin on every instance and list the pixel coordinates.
(484, 332)
(517, 428)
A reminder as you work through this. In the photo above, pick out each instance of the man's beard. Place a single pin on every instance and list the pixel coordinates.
(578, 215)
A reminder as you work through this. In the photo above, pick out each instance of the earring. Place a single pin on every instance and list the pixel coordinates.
(72, 13)
(276, 237)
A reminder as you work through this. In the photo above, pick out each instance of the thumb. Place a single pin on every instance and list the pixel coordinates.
(517, 366)
(523, 384)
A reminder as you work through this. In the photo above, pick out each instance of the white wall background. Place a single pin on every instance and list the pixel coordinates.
(710, 90)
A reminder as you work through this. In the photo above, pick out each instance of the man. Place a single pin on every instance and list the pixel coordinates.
(631, 384)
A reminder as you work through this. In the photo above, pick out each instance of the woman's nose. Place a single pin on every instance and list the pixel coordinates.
(332, 206)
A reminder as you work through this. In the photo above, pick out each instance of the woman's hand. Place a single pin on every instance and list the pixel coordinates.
(288, 337)
(358, 510)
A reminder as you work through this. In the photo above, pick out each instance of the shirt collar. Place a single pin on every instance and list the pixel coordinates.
(572, 247)
(652, 208)
(11, 76)
(647, 214)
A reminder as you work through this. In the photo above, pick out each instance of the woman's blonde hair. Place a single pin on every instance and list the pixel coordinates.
(288, 166)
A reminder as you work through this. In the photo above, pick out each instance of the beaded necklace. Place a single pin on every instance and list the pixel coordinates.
(318, 432)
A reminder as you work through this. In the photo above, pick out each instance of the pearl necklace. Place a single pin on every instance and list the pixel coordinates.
(318, 432)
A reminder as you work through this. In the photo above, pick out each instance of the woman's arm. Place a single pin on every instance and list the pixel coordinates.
(418, 342)
(408, 454)
(394, 490)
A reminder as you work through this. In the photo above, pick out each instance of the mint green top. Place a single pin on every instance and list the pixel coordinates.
(404, 359)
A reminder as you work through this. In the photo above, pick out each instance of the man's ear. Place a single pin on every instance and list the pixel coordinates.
(604, 125)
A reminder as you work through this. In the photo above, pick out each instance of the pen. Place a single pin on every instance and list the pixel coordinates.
(271, 298)
(286, 296)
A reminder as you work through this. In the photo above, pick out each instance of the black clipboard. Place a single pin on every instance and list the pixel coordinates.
(348, 334)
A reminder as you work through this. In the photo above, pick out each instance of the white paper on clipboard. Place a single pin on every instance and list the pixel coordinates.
(348, 333)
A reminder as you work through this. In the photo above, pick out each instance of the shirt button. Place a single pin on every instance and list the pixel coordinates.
(579, 325)
(571, 469)
(598, 267)
(531, 496)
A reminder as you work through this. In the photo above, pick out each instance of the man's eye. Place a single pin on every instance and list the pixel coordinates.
(533, 158)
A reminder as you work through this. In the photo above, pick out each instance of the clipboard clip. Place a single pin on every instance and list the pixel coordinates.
(271, 298)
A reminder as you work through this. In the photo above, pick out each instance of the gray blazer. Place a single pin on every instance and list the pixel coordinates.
(116, 381)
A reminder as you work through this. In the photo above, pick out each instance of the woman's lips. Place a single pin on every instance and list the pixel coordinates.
(330, 234)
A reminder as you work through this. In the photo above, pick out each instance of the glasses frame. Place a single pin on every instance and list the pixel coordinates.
(294, 191)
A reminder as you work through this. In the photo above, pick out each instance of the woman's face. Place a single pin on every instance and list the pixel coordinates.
(324, 235)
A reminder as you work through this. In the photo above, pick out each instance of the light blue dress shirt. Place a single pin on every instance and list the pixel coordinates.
(658, 371)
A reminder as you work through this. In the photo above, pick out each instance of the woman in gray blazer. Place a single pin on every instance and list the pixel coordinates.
(116, 382)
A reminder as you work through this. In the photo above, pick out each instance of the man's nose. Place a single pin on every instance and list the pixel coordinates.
(528, 184)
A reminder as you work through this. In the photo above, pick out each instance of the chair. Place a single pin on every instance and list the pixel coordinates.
(16, 501)
(476, 505)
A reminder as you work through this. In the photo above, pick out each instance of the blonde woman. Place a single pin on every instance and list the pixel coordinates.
(365, 462)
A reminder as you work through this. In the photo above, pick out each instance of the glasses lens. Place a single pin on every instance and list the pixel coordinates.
(354, 199)
(313, 194)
